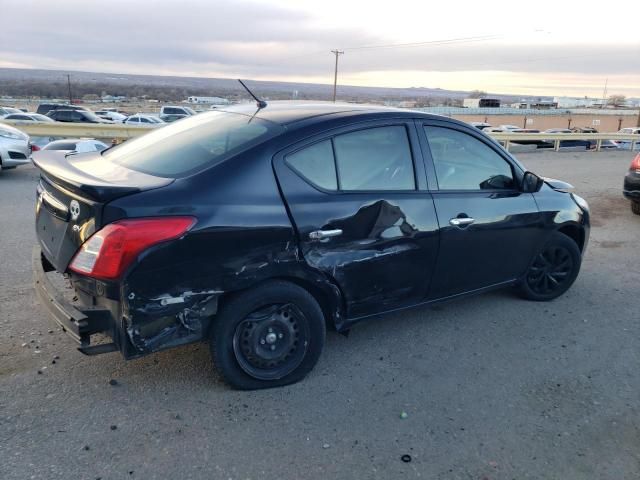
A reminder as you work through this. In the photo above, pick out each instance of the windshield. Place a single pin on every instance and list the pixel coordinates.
(182, 147)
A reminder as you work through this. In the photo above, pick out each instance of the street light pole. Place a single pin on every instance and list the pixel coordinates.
(335, 74)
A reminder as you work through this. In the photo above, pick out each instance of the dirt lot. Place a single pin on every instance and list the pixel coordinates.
(494, 387)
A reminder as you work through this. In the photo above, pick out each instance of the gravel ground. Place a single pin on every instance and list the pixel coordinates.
(493, 387)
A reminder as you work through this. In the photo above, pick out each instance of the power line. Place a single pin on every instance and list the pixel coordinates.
(447, 41)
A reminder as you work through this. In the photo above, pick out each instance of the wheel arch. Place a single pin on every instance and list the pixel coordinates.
(326, 293)
(575, 232)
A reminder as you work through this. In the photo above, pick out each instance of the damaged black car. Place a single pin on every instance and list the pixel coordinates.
(257, 230)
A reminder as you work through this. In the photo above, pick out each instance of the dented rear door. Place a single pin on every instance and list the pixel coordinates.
(360, 205)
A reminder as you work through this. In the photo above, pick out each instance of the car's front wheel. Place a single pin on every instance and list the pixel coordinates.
(553, 269)
(635, 207)
(268, 336)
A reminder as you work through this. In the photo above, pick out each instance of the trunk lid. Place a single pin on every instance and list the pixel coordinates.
(72, 192)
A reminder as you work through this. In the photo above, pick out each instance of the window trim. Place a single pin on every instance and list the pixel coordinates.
(412, 141)
(434, 186)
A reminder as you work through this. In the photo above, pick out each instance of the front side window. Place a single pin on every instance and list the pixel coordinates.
(463, 162)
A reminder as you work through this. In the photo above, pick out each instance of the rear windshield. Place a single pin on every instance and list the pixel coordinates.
(60, 146)
(185, 146)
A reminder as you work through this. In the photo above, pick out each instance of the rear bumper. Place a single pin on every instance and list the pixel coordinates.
(80, 324)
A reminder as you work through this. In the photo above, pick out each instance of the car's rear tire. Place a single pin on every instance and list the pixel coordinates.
(268, 336)
(635, 207)
(552, 270)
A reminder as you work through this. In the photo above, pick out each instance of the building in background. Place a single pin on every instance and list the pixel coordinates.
(535, 104)
(577, 102)
(481, 103)
(208, 100)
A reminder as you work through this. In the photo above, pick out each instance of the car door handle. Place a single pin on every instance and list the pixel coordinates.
(461, 222)
(322, 234)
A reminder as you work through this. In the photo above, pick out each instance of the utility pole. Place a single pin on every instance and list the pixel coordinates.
(335, 75)
(69, 85)
(604, 94)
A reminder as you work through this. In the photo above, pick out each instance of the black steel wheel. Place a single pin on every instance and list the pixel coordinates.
(271, 342)
(553, 270)
(268, 336)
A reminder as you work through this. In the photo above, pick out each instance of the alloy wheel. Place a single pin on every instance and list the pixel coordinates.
(550, 271)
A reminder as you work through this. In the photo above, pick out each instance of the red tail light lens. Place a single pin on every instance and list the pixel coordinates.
(110, 251)
(635, 163)
(34, 147)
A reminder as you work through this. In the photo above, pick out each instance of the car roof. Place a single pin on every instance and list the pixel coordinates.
(73, 140)
(288, 112)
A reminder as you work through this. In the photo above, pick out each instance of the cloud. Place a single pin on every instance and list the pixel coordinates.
(227, 37)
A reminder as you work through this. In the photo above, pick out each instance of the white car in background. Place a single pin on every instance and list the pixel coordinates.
(626, 144)
(111, 115)
(4, 111)
(79, 145)
(29, 117)
(144, 120)
(14, 147)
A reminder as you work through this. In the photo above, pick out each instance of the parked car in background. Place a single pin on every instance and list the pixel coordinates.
(15, 149)
(24, 118)
(575, 144)
(80, 145)
(626, 144)
(480, 125)
(256, 231)
(76, 116)
(45, 108)
(171, 113)
(501, 128)
(144, 120)
(4, 111)
(111, 115)
(631, 188)
(583, 130)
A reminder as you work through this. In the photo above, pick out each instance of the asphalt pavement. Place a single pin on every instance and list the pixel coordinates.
(489, 387)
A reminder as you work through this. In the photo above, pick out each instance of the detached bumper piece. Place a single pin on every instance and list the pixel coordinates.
(80, 324)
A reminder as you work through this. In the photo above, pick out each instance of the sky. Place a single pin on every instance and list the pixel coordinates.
(546, 47)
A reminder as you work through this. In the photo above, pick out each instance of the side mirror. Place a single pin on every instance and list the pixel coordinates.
(531, 183)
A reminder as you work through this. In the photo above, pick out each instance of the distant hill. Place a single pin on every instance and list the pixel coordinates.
(53, 83)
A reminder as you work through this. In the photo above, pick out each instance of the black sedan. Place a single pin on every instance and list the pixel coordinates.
(257, 230)
(631, 188)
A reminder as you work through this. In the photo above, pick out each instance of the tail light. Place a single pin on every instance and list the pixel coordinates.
(635, 163)
(34, 147)
(110, 251)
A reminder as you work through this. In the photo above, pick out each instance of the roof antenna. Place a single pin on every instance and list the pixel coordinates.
(259, 103)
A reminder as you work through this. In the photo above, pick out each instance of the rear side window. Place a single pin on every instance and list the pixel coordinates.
(198, 141)
(371, 159)
(375, 159)
(316, 164)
